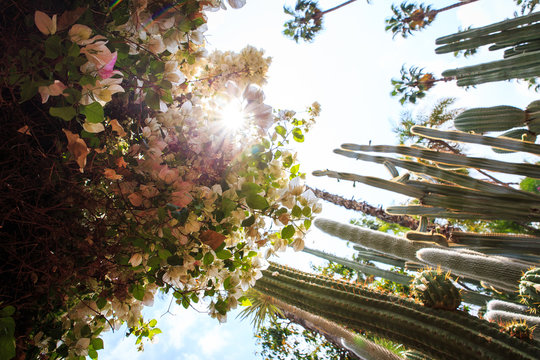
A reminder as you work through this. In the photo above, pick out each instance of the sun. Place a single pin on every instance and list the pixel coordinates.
(233, 117)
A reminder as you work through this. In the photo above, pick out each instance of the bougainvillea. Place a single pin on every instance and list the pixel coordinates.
(181, 177)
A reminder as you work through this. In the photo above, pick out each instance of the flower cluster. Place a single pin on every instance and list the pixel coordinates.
(183, 202)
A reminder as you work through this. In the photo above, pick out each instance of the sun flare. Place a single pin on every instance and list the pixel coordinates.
(233, 118)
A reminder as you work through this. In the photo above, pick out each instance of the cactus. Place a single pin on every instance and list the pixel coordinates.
(529, 170)
(529, 289)
(497, 118)
(499, 305)
(437, 333)
(366, 269)
(436, 290)
(370, 255)
(357, 344)
(439, 198)
(518, 242)
(500, 316)
(376, 240)
(518, 134)
(459, 136)
(415, 355)
(522, 60)
(439, 173)
(498, 271)
(427, 236)
(486, 30)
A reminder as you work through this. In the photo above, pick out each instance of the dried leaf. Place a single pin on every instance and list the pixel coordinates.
(69, 18)
(212, 238)
(93, 128)
(77, 147)
(111, 174)
(116, 127)
(24, 130)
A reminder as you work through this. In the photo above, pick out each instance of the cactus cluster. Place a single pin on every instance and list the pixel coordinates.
(436, 289)
(436, 333)
(521, 59)
(529, 289)
(498, 118)
(519, 330)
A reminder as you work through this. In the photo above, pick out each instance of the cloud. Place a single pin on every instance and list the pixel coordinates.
(214, 340)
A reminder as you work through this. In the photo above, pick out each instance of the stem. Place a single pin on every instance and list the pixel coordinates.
(449, 7)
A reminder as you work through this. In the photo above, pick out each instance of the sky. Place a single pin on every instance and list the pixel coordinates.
(347, 69)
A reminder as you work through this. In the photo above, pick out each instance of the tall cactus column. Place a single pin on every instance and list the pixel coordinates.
(441, 334)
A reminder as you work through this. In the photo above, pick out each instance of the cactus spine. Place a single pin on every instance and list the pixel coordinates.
(498, 271)
(437, 333)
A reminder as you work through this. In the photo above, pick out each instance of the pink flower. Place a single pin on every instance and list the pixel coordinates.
(55, 89)
(98, 54)
(107, 71)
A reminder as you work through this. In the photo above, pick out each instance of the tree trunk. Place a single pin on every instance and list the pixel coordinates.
(322, 13)
(367, 209)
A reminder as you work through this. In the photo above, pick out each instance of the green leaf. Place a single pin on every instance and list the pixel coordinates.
(255, 201)
(138, 292)
(296, 211)
(174, 260)
(152, 323)
(227, 283)
(97, 343)
(74, 50)
(92, 353)
(73, 95)
(287, 232)
(65, 112)
(208, 259)
(227, 205)
(224, 254)
(93, 112)
(86, 331)
(251, 253)
(53, 47)
(250, 188)
(297, 135)
(295, 169)
(281, 130)
(101, 302)
(307, 224)
(244, 301)
(7, 311)
(306, 211)
(249, 221)
(152, 100)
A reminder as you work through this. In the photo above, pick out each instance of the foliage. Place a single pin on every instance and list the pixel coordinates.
(126, 177)
(282, 339)
(439, 115)
(409, 17)
(413, 84)
(307, 21)
(527, 5)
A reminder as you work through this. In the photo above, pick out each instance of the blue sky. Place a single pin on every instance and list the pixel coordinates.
(348, 70)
